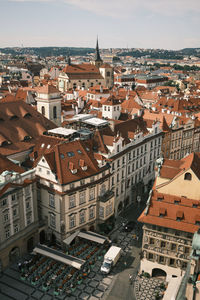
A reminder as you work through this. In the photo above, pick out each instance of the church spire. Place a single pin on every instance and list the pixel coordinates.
(97, 54)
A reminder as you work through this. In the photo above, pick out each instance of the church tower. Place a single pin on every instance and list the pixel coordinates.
(97, 59)
(49, 103)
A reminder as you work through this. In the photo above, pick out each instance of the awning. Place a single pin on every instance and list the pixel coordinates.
(92, 236)
(59, 256)
(70, 238)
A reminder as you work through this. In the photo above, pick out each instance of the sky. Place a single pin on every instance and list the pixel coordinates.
(164, 24)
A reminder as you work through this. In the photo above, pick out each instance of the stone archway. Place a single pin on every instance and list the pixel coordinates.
(159, 273)
(14, 254)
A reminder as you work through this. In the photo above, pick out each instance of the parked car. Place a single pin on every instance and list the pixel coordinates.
(129, 226)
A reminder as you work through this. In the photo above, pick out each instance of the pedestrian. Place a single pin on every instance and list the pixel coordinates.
(130, 278)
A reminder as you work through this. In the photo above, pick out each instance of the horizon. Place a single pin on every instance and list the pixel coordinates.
(172, 25)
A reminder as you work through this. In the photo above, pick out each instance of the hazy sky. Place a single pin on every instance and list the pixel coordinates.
(169, 24)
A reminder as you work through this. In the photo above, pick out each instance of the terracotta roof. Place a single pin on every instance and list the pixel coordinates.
(179, 215)
(65, 157)
(111, 100)
(20, 121)
(8, 165)
(82, 71)
(47, 89)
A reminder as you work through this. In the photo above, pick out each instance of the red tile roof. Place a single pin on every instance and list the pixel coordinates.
(182, 216)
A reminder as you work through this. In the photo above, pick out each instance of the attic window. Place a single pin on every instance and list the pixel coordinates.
(177, 201)
(62, 156)
(195, 205)
(88, 150)
(162, 212)
(160, 198)
(79, 151)
(14, 117)
(27, 115)
(70, 154)
(188, 176)
(179, 216)
(27, 137)
(48, 146)
(42, 146)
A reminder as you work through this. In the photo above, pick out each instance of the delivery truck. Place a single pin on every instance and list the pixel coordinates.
(110, 259)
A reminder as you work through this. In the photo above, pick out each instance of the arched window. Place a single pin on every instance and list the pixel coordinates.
(188, 176)
(43, 110)
(54, 112)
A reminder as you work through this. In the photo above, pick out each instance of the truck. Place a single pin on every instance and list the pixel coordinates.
(110, 259)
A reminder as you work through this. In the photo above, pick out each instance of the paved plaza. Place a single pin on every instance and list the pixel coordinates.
(95, 286)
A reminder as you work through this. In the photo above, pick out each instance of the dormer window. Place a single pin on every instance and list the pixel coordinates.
(162, 212)
(177, 201)
(72, 168)
(188, 176)
(179, 216)
(82, 165)
(160, 198)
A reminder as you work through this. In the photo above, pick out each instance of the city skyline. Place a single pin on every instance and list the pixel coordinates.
(119, 24)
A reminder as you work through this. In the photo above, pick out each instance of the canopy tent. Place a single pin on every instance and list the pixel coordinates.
(93, 236)
(59, 256)
(70, 238)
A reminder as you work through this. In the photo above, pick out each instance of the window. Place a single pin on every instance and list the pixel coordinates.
(129, 156)
(4, 202)
(27, 205)
(72, 221)
(52, 200)
(14, 212)
(113, 180)
(92, 179)
(13, 197)
(105, 108)
(70, 154)
(188, 176)
(150, 256)
(27, 190)
(133, 167)
(29, 219)
(134, 153)
(82, 181)
(43, 110)
(71, 186)
(72, 201)
(101, 211)
(91, 212)
(129, 169)
(161, 259)
(151, 241)
(6, 217)
(163, 244)
(16, 228)
(52, 220)
(108, 209)
(122, 188)
(118, 163)
(91, 194)
(123, 160)
(82, 217)
(82, 198)
(117, 177)
(173, 247)
(187, 250)
(171, 262)
(113, 166)
(122, 173)
(108, 108)
(118, 151)
(7, 233)
(54, 112)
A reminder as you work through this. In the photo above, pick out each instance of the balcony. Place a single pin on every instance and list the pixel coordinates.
(106, 196)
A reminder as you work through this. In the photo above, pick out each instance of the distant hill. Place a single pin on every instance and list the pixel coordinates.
(48, 51)
(191, 51)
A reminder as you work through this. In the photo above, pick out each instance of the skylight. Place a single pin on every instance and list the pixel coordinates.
(79, 151)
(42, 146)
(70, 154)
